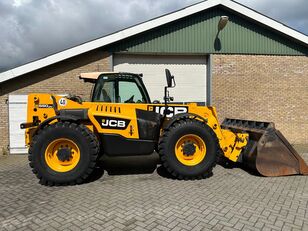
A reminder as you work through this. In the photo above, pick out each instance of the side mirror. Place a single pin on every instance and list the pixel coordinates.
(170, 79)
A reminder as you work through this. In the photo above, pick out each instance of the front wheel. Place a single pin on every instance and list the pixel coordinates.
(63, 153)
(188, 149)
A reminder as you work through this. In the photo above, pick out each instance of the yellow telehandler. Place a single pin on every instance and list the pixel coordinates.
(67, 136)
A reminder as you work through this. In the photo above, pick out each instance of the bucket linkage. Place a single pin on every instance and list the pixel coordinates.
(268, 151)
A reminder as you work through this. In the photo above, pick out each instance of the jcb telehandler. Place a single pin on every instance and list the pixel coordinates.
(67, 136)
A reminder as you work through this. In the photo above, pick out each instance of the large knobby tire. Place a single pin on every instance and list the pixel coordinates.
(200, 145)
(63, 153)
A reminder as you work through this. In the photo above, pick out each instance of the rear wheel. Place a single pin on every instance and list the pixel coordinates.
(63, 153)
(188, 149)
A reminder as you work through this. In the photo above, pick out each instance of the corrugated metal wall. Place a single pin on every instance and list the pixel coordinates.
(198, 34)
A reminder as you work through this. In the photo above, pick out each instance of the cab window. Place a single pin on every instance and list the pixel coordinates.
(129, 92)
(104, 91)
(113, 89)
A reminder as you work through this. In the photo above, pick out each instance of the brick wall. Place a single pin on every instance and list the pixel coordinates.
(269, 88)
(59, 78)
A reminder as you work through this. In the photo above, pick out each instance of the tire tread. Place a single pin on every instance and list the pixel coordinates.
(89, 136)
(162, 146)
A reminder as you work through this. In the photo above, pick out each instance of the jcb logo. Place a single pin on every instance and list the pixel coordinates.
(171, 110)
(112, 122)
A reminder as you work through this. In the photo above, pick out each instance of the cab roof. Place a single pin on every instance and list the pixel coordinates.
(93, 76)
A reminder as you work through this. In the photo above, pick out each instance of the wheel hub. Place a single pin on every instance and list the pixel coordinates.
(189, 148)
(64, 154)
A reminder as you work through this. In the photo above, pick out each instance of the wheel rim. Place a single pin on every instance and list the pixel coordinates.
(190, 150)
(62, 155)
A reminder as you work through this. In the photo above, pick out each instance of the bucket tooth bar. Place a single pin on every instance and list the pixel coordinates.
(268, 151)
(247, 124)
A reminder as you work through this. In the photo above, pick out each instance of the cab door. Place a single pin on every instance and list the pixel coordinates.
(125, 125)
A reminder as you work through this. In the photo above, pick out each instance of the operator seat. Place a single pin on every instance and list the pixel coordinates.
(106, 97)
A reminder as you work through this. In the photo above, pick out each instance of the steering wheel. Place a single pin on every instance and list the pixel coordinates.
(130, 100)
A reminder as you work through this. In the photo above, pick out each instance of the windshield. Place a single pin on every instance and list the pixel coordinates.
(120, 89)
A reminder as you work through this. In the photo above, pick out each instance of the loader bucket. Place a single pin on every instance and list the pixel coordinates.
(268, 151)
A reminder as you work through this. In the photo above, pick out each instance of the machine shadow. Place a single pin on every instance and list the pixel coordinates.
(227, 164)
(97, 173)
(146, 164)
(129, 165)
(162, 171)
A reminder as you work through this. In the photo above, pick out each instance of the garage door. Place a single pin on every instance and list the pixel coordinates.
(17, 115)
(189, 72)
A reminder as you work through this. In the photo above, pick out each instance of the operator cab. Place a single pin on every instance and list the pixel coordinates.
(120, 88)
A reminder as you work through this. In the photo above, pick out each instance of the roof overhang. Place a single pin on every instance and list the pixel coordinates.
(93, 75)
(134, 30)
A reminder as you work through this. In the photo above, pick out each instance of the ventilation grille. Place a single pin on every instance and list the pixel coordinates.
(108, 108)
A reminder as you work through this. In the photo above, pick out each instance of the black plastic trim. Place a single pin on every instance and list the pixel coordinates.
(148, 124)
(117, 145)
(80, 114)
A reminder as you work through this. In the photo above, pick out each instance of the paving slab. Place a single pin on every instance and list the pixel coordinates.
(147, 199)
